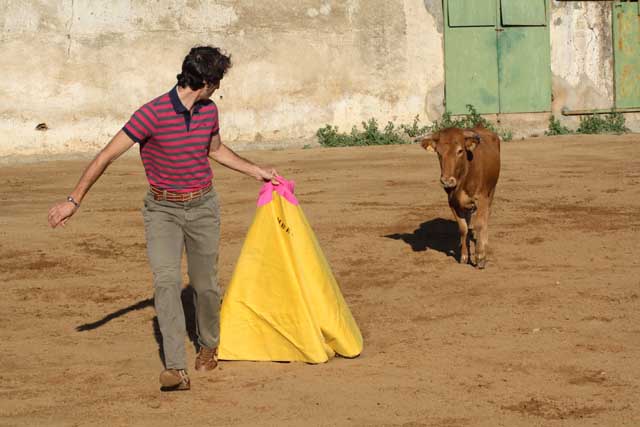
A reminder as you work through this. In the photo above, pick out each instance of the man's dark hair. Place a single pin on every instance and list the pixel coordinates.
(203, 64)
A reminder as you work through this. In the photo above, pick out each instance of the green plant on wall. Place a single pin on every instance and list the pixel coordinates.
(329, 136)
(602, 123)
(591, 124)
(556, 128)
(470, 120)
(415, 129)
(371, 134)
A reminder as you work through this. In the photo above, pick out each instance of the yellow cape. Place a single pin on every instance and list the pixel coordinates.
(283, 303)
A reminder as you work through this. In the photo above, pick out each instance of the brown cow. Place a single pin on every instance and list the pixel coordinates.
(469, 170)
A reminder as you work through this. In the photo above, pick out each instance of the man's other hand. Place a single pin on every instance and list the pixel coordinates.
(60, 213)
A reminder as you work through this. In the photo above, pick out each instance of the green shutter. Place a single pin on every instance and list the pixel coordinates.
(524, 69)
(472, 13)
(471, 70)
(506, 70)
(626, 50)
(523, 12)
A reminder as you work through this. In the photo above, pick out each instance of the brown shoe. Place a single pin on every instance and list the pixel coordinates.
(174, 380)
(207, 359)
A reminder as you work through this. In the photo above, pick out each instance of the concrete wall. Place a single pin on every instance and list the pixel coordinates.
(82, 66)
(582, 59)
(581, 55)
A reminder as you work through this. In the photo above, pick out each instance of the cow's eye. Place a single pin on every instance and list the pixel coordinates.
(459, 152)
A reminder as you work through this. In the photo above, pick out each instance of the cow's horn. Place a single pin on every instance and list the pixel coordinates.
(421, 138)
(434, 136)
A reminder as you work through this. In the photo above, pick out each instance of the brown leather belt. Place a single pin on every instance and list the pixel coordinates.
(170, 196)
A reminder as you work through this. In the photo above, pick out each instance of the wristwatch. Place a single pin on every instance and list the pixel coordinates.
(72, 200)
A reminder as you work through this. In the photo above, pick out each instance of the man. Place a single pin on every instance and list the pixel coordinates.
(177, 133)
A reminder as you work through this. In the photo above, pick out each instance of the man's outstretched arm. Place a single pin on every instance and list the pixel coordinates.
(60, 213)
(227, 157)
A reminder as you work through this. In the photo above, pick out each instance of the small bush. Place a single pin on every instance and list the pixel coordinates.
(556, 128)
(329, 136)
(602, 123)
(470, 120)
(369, 135)
(415, 130)
(474, 119)
(505, 134)
(591, 124)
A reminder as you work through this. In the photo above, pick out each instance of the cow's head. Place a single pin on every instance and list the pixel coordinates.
(455, 150)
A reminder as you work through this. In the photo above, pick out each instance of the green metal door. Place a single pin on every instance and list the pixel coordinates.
(524, 57)
(497, 56)
(471, 56)
(626, 48)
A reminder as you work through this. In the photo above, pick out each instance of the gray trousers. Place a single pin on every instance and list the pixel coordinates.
(171, 228)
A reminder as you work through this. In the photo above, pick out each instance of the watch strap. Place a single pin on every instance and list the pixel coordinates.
(72, 200)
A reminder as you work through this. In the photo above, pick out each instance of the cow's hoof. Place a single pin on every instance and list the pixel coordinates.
(481, 263)
(464, 259)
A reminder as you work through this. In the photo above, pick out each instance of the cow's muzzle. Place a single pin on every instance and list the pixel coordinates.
(449, 182)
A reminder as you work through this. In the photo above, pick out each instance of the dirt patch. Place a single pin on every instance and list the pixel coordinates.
(552, 410)
(547, 335)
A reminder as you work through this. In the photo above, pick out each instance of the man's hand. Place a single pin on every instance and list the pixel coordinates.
(60, 213)
(268, 174)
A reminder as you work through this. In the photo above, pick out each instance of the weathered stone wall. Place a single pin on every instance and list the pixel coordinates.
(82, 66)
(581, 55)
(582, 59)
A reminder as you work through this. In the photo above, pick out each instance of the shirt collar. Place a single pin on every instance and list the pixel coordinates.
(179, 107)
(175, 101)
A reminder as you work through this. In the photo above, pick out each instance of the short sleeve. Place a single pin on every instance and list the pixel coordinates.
(141, 125)
(215, 128)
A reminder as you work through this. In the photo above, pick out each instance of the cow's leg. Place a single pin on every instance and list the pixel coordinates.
(463, 230)
(481, 232)
(470, 217)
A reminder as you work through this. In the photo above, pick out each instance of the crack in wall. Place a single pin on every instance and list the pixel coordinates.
(69, 28)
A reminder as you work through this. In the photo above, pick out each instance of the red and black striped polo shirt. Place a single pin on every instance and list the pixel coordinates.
(174, 144)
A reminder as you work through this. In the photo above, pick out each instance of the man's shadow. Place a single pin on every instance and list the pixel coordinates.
(188, 305)
(438, 234)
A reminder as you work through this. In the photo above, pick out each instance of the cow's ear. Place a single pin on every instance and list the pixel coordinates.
(471, 140)
(429, 142)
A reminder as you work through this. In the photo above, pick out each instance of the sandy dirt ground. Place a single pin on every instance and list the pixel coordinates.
(547, 335)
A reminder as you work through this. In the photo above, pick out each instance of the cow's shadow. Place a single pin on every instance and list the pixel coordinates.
(438, 234)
